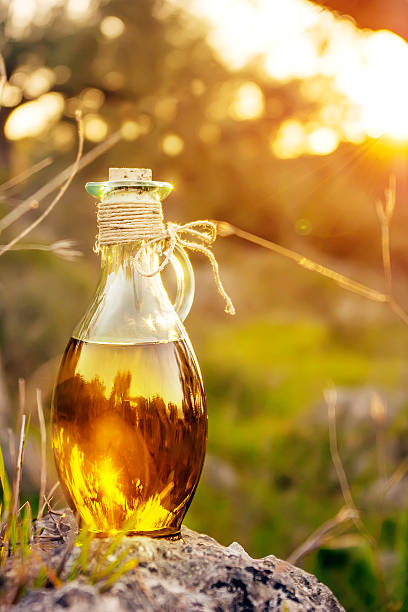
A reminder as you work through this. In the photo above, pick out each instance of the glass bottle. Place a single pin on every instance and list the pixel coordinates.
(129, 417)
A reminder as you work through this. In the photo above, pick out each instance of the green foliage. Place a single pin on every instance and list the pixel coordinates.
(6, 489)
(115, 575)
(41, 579)
(83, 542)
(351, 573)
(100, 561)
(269, 434)
(402, 568)
(95, 563)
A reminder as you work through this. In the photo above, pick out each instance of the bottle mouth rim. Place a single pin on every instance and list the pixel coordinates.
(100, 189)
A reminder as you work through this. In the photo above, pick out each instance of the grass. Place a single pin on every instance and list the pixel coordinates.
(24, 562)
(269, 427)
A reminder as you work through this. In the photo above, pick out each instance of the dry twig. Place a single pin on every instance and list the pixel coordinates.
(11, 445)
(69, 547)
(21, 445)
(3, 76)
(21, 396)
(49, 187)
(384, 211)
(43, 480)
(57, 198)
(320, 536)
(61, 248)
(330, 396)
(379, 415)
(19, 470)
(226, 229)
(47, 499)
(23, 176)
(400, 472)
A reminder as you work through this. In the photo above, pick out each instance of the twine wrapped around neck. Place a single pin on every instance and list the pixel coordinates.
(123, 222)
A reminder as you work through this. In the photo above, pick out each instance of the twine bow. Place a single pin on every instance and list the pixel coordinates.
(198, 236)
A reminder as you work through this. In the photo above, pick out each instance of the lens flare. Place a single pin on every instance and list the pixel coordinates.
(95, 128)
(112, 27)
(172, 145)
(33, 118)
(248, 103)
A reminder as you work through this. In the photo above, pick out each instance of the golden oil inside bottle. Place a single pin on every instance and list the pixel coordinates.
(129, 434)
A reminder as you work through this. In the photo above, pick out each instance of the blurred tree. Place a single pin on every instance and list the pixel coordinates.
(147, 69)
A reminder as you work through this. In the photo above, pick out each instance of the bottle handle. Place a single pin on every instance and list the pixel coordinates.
(185, 281)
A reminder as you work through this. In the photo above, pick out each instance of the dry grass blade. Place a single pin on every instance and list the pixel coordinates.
(43, 480)
(21, 396)
(70, 545)
(65, 250)
(47, 499)
(226, 229)
(45, 190)
(23, 176)
(391, 197)
(52, 513)
(12, 445)
(398, 310)
(9, 200)
(397, 476)
(3, 76)
(17, 212)
(324, 534)
(330, 396)
(19, 466)
(61, 248)
(378, 413)
(21, 445)
(384, 211)
(57, 198)
(319, 537)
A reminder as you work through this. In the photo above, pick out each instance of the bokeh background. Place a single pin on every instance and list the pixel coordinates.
(285, 118)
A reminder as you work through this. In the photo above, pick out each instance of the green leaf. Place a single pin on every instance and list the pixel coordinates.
(96, 576)
(124, 569)
(5, 485)
(41, 578)
(25, 531)
(82, 541)
(13, 533)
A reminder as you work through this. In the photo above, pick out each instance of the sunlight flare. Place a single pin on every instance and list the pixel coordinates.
(359, 72)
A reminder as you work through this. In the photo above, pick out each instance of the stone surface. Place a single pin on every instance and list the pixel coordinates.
(193, 573)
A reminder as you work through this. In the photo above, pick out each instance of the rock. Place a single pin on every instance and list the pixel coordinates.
(190, 574)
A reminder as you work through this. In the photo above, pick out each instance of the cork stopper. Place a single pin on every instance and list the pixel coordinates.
(130, 174)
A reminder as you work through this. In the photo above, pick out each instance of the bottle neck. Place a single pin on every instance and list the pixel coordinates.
(121, 258)
(127, 216)
(129, 307)
(120, 279)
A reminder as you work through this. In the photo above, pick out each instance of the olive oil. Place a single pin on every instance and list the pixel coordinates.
(129, 434)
